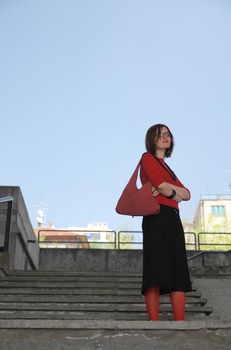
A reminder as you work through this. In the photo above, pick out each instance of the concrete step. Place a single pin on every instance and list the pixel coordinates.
(115, 325)
(93, 285)
(135, 280)
(45, 296)
(93, 315)
(59, 284)
(73, 279)
(102, 307)
(112, 299)
(85, 306)
(78, 291)
(73, 273)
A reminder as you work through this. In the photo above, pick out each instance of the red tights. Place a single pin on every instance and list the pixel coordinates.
(152, 301)
(178, 305)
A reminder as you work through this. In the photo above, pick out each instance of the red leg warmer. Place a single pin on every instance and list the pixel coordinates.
(178, 305)
(152, 300)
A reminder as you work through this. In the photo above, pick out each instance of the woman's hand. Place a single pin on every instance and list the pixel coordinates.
(166, 190)
(181, 192)
(177, 198)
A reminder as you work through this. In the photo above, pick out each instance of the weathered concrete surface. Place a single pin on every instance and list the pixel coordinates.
(55, 259)
(115, 340)
(115, 325)
(217, 291)
(135, 335)
(40, 295)
(20, 223)
(90, 260)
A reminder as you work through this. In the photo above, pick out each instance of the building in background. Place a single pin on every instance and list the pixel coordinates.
(97, 235)
(51, 237)
(213, 214)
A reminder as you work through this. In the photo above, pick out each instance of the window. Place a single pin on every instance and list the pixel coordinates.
(218, 210)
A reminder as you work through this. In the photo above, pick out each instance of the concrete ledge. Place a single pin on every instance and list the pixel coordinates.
(89, 260)
(110, 260)
(114, 325)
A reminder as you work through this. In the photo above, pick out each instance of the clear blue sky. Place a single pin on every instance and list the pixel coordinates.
(82, 81)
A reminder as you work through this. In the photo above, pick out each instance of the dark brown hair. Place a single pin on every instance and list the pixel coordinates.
(150, 140)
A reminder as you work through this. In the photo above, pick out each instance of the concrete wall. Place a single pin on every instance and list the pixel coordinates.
(15, 258)
(121, 260)
(90, 260)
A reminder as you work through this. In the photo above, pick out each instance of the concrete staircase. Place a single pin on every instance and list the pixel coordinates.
(43, 299)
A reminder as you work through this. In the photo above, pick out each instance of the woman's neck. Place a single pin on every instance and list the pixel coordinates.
(160, 153)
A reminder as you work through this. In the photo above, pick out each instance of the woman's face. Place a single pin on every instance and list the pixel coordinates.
(164, 141)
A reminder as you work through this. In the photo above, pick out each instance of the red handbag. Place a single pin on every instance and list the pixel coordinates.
(136, 201)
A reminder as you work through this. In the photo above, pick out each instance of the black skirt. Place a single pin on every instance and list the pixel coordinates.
(164, 255)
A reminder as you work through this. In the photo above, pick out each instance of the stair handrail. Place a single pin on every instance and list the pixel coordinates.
(197, 254)
(25, 249)
(9, 201)
(204, 252)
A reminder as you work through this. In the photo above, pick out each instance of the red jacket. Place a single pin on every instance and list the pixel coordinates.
(153, 171)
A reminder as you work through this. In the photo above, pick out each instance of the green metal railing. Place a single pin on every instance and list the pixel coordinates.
(202, 241)
(214, 240)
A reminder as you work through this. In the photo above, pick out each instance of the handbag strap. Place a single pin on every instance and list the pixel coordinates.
(165, 166)
(134, 176)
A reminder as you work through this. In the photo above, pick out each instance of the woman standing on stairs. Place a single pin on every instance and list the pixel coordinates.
(165, 267)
